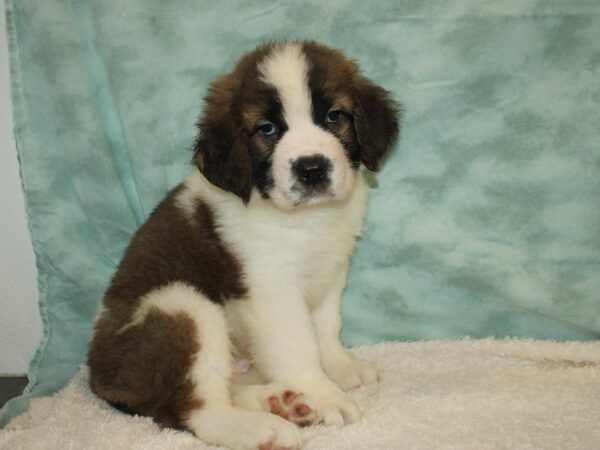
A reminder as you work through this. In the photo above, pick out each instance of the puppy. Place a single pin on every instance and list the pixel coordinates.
(223, 318)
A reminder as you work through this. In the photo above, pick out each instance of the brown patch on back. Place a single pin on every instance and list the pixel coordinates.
(170, 247)
(145, 370)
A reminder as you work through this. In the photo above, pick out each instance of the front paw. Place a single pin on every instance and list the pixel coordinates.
(349, 373)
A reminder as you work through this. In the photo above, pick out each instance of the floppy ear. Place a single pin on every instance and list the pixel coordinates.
(221, 150)
(225, 162)
(376, 120)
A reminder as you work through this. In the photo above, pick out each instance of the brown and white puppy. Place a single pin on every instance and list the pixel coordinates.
(247, 259)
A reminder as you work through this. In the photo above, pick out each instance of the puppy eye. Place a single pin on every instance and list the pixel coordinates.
(267, 129)
(333, 115)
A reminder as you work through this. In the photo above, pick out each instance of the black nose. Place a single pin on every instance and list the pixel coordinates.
(311, 170)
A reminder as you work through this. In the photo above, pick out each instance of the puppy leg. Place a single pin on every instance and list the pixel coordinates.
(241, 429)
(339, 365)
(285, 350)
(146, 379)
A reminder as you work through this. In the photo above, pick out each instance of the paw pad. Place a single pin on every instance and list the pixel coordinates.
(291, 406)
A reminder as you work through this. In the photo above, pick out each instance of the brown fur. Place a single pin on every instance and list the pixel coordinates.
(170, 247)
(144, 369)
(376, 119)
(222, 148)
(336, 81)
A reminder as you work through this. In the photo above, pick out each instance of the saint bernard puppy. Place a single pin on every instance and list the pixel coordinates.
(223, 318)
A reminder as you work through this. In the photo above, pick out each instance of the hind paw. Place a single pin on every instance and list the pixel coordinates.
(280, 400)
(292, 406)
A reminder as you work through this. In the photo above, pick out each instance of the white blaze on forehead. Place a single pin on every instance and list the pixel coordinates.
(286, 69)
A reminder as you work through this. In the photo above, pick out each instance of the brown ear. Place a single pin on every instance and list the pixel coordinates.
(225, 162)
(221, 151)
(376, 120)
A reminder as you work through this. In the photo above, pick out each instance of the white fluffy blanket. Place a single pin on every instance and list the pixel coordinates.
(432, 395)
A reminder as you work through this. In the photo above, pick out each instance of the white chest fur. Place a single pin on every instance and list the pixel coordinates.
(297, 252)
(300, 248)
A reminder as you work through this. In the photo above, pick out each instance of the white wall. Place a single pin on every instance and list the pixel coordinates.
(20, 324)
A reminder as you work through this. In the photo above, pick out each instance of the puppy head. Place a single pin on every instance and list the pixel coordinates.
(293, 121)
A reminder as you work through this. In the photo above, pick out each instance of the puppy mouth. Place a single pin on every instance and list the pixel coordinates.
(311, 195)
(297, 193)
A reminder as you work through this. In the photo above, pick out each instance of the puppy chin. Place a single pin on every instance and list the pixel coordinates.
(291, 197)
(284, 198)
(293, 200)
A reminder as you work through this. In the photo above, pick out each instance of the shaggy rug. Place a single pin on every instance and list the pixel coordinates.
(436, 395)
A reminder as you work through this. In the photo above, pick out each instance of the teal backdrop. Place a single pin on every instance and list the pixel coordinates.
(484, 222)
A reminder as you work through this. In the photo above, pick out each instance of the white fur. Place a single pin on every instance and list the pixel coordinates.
(286, 69)
(242, 429)
(307, 139)
(212, 372)
(186, 201)
(213, 363)
(292, 261)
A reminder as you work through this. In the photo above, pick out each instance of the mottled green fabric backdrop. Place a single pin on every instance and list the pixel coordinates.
(485, 221)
